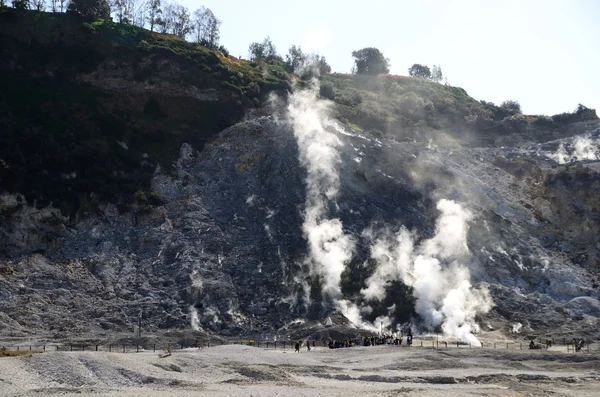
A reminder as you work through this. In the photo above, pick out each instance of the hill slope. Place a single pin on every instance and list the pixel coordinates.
(169, 210)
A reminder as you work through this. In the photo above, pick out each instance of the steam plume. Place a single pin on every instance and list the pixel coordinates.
(330, 247)
(580, 148)
(443, 292)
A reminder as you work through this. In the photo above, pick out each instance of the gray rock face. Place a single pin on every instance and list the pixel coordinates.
(225, 253)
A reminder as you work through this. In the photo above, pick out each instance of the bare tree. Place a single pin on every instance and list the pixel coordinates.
(63, 5)
(206, 27)
(138, 13)
(177, 20)
(39, 5)
(436, 73)
(154, 14)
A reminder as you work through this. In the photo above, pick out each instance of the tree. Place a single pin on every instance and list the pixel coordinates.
(511, 106)
(122, 10)
(154, 15)
(89, 9)
(138, 12)
(20, 4)
(264, 51)
(322, 65)
(177, 20)
(206, 26)
(295, 58)
(419, 71)
(39, 5)
(436, 73)
(370, 61)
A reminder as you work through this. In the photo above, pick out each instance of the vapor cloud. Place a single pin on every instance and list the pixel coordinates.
(330, 248)
(442, 288)
(578, 149)
(434, 267)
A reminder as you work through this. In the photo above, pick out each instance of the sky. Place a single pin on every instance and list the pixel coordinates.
(544, 54)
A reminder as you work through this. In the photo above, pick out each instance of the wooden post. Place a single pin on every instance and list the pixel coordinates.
(96, 347)
(29, 347)
(137, 348)
(446, 344)
(123, 348)
(44, 347)
(71, 347)
(521, 346)
(154, 348)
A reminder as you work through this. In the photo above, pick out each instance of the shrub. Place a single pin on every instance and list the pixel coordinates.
(513, 107)
(326, 90)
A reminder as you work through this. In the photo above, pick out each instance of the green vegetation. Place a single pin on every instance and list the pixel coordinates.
(370, 61)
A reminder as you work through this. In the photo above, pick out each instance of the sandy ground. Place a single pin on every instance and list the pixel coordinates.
(236, 370)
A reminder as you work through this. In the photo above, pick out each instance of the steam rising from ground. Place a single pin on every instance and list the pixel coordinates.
(442, 288)
(580, 148)
(330, 247)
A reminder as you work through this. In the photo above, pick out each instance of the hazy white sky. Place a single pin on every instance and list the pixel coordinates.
(543, 53)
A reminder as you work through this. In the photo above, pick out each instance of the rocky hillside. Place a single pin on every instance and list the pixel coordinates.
(147, 181)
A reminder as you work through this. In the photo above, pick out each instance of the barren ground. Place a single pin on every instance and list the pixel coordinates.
(236, 370)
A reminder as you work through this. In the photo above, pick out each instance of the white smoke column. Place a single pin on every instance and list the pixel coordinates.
(195, 319)
(330, 247)
(441, 284)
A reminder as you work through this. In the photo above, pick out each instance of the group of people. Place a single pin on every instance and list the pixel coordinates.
(362, 341)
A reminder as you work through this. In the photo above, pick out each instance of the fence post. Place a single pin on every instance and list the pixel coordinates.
(521, 346)
(71, 347)
(421, 342)
(96, 347)
(208, 344)
(137, 348)
(44, 347)
(154, 348)
(123, 348)
(446, 344)
(29, 347)
(457, 344)
(82, 348)
(17, 347)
